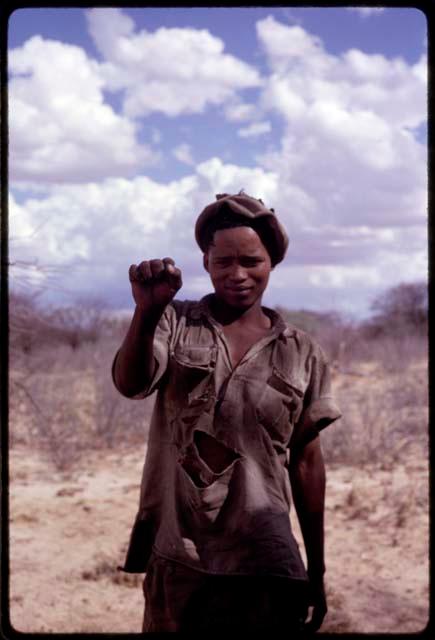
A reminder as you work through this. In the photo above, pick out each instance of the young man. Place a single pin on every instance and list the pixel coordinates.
(241, 398)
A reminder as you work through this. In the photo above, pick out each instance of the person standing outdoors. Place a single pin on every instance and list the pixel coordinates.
(234, 437)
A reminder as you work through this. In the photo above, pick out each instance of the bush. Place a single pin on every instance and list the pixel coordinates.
(401, 310)
(63, 401)
(384, 415)
(330, 329)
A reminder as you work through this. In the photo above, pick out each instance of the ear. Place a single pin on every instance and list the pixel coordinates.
(205, 261)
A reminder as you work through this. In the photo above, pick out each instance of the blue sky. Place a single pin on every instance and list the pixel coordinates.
(125, 123)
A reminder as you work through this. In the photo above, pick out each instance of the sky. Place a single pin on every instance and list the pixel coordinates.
(125, 123)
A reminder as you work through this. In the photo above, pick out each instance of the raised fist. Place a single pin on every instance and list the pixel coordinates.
(154, 283)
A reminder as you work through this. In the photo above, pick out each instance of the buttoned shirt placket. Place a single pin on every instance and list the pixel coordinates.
(222, 384)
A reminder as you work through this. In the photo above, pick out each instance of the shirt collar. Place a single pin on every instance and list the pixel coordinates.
(279, 326)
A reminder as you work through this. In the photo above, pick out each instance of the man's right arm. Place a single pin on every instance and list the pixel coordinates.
(154, 284)
(135, 363)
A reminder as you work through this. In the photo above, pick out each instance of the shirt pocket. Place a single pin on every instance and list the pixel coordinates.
(192, 369)
(280, 405)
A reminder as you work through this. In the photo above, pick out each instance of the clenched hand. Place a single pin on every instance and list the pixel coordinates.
(154, 283)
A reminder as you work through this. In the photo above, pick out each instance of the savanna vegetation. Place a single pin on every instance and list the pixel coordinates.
(77, 449)
(62, 399)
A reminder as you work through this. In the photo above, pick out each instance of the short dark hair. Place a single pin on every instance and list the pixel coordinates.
(228, 219)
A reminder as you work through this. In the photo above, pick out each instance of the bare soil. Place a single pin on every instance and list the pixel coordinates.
(69, 531)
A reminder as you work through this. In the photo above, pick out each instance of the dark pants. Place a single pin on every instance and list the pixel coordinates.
(181, 599)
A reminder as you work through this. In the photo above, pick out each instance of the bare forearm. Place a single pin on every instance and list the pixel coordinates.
(308, 480)
(134, 366)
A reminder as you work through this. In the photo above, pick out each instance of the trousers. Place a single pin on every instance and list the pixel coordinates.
(178, 598)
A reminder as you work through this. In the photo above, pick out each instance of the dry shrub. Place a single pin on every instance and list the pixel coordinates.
(394, 353)
(62, 399)
(105, 568)
(384, 415)
(63, 402)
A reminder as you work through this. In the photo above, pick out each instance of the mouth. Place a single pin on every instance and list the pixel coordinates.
(239, 290)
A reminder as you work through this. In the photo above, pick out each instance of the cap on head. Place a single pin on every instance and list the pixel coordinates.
(256, 214)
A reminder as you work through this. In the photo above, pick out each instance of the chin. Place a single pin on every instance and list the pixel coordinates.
(239, 302)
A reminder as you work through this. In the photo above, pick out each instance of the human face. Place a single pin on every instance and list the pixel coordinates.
(239, 266)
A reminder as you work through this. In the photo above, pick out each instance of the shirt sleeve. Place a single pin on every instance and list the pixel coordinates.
(319, 407)
(161, 343)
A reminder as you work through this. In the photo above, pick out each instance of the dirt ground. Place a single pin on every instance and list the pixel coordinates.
(68, 533)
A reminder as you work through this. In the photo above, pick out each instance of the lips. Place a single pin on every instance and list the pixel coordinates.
(239, 289)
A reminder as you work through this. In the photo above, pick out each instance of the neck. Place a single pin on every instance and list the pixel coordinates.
(225, 315)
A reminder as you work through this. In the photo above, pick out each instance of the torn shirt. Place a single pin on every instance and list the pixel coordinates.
(231, 517)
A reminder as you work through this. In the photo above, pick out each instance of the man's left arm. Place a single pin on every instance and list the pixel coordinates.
(308, 480)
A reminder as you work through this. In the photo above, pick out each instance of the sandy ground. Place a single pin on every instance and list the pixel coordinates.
(68, 533)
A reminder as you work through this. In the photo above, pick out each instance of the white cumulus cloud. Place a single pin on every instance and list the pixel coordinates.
(366, 12)
(60, 127)
(183, 153)
(97, 229)
(255, 129)
(231, 178)
(171, 70)
(349, 123)
(348, 177)
(240, 111)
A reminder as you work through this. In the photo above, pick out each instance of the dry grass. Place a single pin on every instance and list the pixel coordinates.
(65, 553)
(63, 402)
(65, 410)
(104, 569)
(385, 414)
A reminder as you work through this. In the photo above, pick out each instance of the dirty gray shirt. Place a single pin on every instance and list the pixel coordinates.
(278, 396)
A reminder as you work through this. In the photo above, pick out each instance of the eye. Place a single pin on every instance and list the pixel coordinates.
(222, 262)
(251, 262)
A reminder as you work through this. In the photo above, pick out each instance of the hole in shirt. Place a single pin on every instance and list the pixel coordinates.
(214, 453)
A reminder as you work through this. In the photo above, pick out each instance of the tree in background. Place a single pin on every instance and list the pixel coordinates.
(401, 310)
(331, 329)
(33, 325)
(80, 322)
(313, 322)
(25, 322)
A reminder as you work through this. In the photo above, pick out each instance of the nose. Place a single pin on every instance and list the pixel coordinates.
(238, 274)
